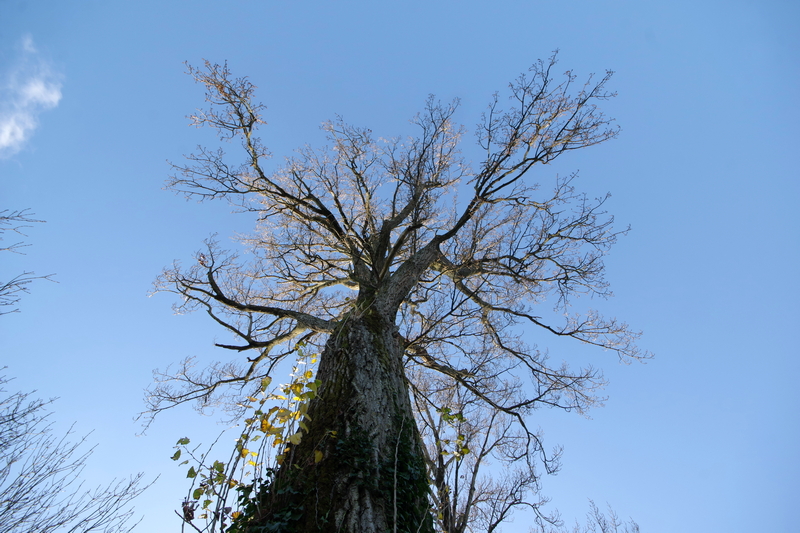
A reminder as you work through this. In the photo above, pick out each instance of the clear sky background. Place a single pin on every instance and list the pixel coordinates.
(705, 437)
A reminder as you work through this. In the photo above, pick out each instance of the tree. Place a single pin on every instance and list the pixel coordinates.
(40, 491)
(40, 488)
(11, 290)
(410, 272)
(597, 522)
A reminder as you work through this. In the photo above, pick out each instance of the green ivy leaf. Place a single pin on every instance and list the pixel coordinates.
(296, 438)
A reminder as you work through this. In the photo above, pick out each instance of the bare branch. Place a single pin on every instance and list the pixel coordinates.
(11, 290)
(40, 487)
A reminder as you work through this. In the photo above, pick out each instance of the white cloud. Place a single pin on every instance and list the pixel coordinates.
(26, 90)
(27, 44)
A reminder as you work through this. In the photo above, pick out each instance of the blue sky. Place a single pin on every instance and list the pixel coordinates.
(93, 102)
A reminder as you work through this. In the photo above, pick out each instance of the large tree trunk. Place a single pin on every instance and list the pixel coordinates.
(359, 468)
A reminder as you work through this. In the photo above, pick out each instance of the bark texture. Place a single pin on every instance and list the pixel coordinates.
(359, 469)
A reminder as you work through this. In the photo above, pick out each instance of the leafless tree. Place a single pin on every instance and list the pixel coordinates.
(40, 487)
(596, 522)
(10, 291)
(404, 265)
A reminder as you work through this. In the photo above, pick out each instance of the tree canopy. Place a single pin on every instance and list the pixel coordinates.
(400, 256)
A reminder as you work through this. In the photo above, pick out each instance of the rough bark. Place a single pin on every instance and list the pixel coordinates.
(359, 468)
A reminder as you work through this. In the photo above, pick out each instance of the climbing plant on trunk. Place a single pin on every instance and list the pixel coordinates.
(364, 253)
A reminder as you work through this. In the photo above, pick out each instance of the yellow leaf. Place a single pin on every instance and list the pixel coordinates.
(296, 438)
(317, 456)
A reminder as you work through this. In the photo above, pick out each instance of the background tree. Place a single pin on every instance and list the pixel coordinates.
(11, 290)
(403, 265)
(40, 488)
(596, 522)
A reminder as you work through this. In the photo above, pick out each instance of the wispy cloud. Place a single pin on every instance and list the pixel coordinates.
(29, 87)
